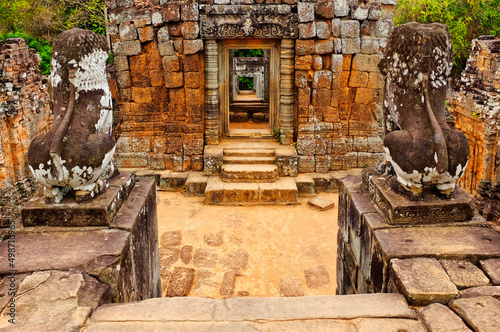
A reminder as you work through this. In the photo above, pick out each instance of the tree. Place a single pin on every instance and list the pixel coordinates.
(467, 20)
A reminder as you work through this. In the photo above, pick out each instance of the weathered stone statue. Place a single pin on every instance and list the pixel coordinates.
(426, 151)
(79, 147)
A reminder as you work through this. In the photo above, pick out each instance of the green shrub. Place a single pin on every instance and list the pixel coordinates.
(467, 20)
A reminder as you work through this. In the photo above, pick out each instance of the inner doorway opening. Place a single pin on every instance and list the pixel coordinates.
(249, 91)
(249, 87)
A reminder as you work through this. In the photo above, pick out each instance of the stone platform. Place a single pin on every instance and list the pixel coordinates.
(115, 262)
(427, 260)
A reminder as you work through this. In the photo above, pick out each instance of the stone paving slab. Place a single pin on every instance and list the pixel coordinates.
(257, 309)
(439, 318)
(321, 203)
(436, 286)
(92, 250)
(480, 313)
(492, 269)
(481, 291)
(442, 242)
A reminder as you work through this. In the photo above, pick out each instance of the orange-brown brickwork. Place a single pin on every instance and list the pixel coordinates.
(24, 113)
(475, 105)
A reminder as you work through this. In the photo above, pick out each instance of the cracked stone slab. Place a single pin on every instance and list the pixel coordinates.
(68, 298)
(256, 309)
(383, 325)
(92, 251)
(439, 318)
(321, 203)
(442, 242)
(464, 274)
(423, 280)
(492, 269)
(480, 313)
(481, 291)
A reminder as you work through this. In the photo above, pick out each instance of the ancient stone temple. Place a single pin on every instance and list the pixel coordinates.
(25, 112)
(179, 63)
(476, 107)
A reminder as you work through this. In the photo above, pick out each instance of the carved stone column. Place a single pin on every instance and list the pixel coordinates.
(211, 92)
(286, 90)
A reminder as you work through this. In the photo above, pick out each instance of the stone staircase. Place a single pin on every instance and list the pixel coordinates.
(248, 172)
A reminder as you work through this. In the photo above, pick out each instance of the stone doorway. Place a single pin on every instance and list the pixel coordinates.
(249, 87)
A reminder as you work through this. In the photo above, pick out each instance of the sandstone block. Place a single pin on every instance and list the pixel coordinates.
(322, 79)
(303, 47)
(186, 254)
(128, 31)
(435, 287)
(439, 318)
(290, 285)
(317, 277)
(141, 95)
(366, 96)
(121, 63)
(141, 18)
(369, 45)
(305, 11)
(307, 30)
(480, 313)
(341, 8)
(350, 29)
(166, 48)
(171, 12)
(303, 62)
(171, 63)
(306, 164)
(228, 282)
(193, 46)
(324, 8)
(174, 79)
(317, 63)
(337, 63)
(214, 239)
(235, 260)
(123, 79)
(301, 78)
(336, 27)
(321, 203)
(321, 97)
(168, 257)
(163, 35)
(493, 291)
(181, 282)
(359, 12)
(191, 62)
(380, 325)
(190, 30)
(323, 47)
(171, 239)
(358, 79)
(351, 45)
(492, 269)
(146, 34)
(127, 47)
(363, 62)
(189, 11)
(204, 258)
(464, 274)
(157, 18)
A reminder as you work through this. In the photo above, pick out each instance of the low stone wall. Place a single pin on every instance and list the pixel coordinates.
(430, 251)
(82, 255)
(25, 112)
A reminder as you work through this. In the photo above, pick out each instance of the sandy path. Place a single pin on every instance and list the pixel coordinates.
(276, 243)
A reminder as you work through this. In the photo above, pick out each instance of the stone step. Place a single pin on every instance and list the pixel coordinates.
(249, 173)
(249, 152)
(283, 191)
(248, 160)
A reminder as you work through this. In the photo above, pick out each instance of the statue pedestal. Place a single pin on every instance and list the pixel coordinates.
(387, 243)
(113, 238)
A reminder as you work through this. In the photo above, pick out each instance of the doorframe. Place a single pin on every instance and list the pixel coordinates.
(274, 80)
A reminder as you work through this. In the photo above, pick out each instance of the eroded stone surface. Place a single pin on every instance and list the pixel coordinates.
(321, 203)
(434, 287)
(317, 277)
(181, 281)
(492, 269)
(464, 274)
(67, 298)
(481, 313)
(290, 285)
(439, 318)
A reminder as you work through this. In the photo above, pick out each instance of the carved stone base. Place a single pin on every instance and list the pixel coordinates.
(70, 212)
(430, 209)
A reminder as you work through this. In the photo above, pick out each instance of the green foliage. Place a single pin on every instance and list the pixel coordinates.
(467, 20)
(276, 133)
(244, 52)
(41, 46)
(245, 83)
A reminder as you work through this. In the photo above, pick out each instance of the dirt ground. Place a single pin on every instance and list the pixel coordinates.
(256, 251)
